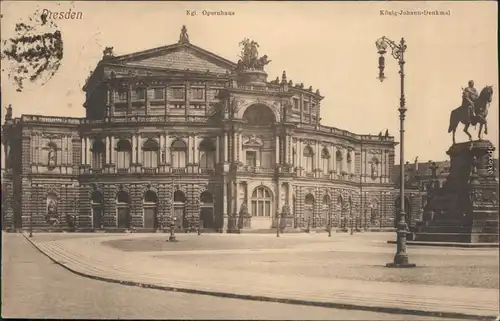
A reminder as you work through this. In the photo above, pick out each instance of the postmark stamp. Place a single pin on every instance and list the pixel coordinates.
(34, 52)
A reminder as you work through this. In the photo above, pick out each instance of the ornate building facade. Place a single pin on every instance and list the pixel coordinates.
(179, 132)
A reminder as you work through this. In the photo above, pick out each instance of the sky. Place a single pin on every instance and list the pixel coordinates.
(327, 45)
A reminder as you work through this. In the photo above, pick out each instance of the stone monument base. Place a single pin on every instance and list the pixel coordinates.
(465, 209)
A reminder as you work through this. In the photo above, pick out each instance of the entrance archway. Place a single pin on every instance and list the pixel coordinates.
(207, 210)
(150, 208)
(326, 211)
(97, 205)
(309, 209)
(122, 209)
(179, 209)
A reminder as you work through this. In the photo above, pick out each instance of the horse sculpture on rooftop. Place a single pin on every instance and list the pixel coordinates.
(464, 116)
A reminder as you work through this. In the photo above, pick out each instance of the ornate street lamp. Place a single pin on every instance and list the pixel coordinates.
(397, 51)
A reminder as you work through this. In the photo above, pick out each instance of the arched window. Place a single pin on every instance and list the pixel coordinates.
(338, 161)
(98, 154)
(259, 115)
(325, 160)
(261, 202)
(123, 153)
(207, 154)
(349, 162)
(179, 153)
(309, 159)
(151, 153)
(150, 197)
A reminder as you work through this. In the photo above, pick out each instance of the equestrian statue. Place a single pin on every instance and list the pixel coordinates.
(473, 111)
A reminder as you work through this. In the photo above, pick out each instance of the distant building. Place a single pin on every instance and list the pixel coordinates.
(180, 132)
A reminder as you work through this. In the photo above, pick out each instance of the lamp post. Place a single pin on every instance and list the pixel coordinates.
(397, 51)
(277, 223)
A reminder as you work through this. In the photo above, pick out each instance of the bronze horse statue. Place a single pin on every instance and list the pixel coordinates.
(462, 115)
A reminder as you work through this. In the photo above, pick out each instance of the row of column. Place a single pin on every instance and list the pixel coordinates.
(332, 150)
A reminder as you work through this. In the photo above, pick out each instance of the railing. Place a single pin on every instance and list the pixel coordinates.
(178, 171)
(150, 170)
(122, 170)
(207, 170)
(253, 169)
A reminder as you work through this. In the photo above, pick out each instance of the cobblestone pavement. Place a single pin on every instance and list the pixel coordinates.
(35, 287)
(360, 257)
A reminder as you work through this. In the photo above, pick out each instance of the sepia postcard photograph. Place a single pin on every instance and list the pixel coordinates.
(250, 160)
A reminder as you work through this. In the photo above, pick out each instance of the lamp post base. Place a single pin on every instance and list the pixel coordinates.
(172, 239)
(401, 261)
(401, 265)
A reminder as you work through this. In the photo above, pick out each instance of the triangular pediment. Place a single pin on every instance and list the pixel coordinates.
(178, 57)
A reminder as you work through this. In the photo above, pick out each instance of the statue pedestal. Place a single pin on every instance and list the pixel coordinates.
(252, 77)
(466, 207)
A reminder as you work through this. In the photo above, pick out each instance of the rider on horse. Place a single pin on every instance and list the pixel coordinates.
(469, 97)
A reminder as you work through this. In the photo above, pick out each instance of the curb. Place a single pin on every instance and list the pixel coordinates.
(444, 244)
(332, 305)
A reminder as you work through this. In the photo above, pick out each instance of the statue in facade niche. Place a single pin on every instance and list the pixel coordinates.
(51, 158)
(374, 169)
(243, 209)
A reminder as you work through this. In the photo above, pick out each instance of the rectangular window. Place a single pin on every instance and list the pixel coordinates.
(178, 159)
(122, 95)
(178, 93)
(197, 93)
(306, 106)
(150, 159)
(296, 103)
(207, 159)
(140, 94)
(123, 159)
(251, 158)
(159, 94)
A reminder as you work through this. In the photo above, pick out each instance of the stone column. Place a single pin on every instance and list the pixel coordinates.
(299, 153)
(195, 148)
(334, 158)
(83, 154)
(224, 206)
(134, 149)
(240, 144)
(139, 149)
(167, 149)
(146, 99)
(344, 160)
(237, 201)
(87, 150)
(70, 149)
(217, 150)
(108, 148)
(318, 156)
(235, 147)
(113, 147)
(226, 147)
(277, 151)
